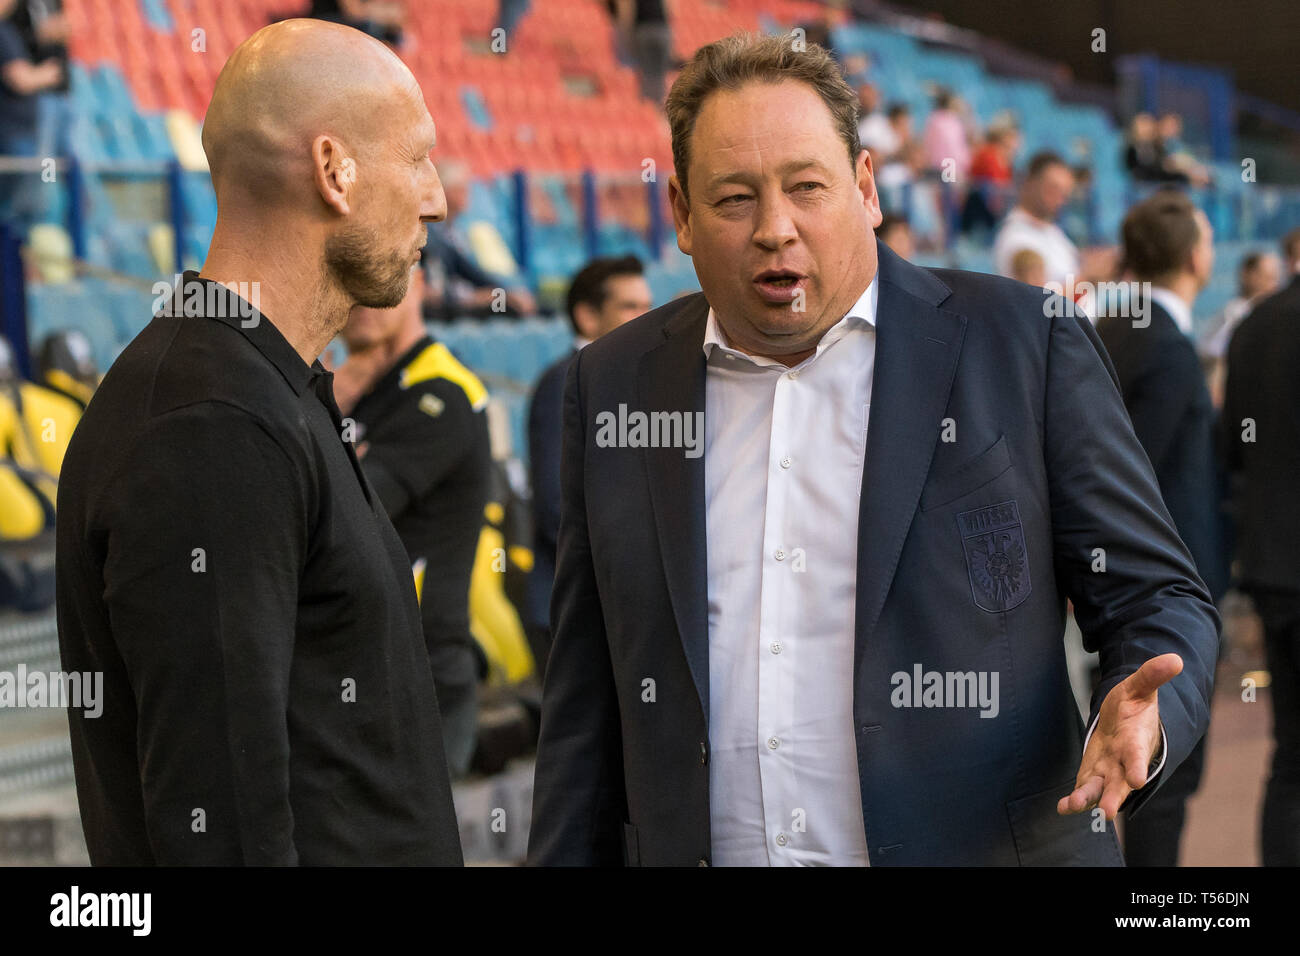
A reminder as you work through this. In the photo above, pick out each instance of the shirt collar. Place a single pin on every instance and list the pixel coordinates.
(1178, 310)
(192, 295)
(863, 313)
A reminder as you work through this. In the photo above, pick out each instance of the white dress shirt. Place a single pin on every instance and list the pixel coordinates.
(784, 453)
(1178, 310)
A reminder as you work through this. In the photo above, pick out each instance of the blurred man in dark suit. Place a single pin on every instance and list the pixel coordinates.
(1169, 246)
(603, 295)
(1261, 436)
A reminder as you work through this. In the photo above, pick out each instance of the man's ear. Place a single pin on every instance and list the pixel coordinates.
(587, 321)
(681, 214)
(866, 178)
(334, 172)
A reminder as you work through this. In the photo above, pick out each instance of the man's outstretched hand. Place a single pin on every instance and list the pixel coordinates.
(1125, 741)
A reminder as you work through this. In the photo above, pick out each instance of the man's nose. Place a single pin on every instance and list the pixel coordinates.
(774, 228)
(434, 206)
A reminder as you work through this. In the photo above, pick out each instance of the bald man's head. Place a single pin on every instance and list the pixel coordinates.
(319, 132)
(290, 82)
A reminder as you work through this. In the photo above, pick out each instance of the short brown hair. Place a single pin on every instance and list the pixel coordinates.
(1159, 235)
(742, 58)
(1291, 247)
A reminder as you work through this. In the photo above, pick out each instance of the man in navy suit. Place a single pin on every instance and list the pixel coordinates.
(1261, 422)
(605, 293)
(1169, 248)
(818, 529)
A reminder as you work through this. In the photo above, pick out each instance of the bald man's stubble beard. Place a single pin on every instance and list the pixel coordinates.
(365, 276)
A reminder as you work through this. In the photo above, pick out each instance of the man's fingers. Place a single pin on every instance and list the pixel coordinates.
(1136, 761)
(1082, 797)
(1116, 792)
(1148, 678)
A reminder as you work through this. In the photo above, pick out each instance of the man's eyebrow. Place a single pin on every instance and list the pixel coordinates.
(785, 169)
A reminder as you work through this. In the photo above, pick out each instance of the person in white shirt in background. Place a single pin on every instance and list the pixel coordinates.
(1258, 276)
(1044, 191)
(875, 129)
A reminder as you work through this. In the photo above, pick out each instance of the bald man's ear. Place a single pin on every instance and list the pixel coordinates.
(335, 174)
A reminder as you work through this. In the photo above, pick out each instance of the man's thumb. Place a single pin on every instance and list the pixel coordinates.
(1148, 678)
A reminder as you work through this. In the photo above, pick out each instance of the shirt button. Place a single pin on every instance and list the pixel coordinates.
(776, 647)
(779, 555)
(785, 462)
(773, 743)
(794, 374)
(780, 839)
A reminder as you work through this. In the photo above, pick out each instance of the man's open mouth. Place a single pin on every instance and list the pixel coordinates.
(779, 285)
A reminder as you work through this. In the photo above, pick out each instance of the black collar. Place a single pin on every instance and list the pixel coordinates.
(197, 296)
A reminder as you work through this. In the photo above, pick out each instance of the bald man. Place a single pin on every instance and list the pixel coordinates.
(222, 559)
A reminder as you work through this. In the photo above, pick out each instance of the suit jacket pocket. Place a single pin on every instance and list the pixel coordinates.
(631, 847)
(1045, 838)
(967, 477)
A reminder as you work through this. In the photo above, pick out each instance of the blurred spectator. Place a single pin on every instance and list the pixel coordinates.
(896, 232)
(44, 28)
(1027, 266)
(875, 131)
(67, 365)
(1168, 243)
(36, 424)
(904, 188)
(605, 294)
(1076, 219)
(643, 27)
(382, 19)
(992, 172)
(1144, 154)
(1177, 157)
(1258, 276)
(421, 435)
(1261, 419)
(900, 122)
(458, 285)
(1048, 182)
(22, 79)
(947, 146)
(1045, 189)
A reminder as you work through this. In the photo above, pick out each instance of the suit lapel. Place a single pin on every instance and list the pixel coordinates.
(917, 345)
(671, 378)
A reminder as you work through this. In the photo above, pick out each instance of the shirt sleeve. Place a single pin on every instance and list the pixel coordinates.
(424, 439)
(11, 45)
(206, 538)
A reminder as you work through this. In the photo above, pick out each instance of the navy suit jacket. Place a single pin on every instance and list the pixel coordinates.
(967, 552)
(1261, 440)
(1173, 417)
(545, 418)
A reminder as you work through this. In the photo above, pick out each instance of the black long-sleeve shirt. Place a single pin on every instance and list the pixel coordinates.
(222, 560)
(424, 425)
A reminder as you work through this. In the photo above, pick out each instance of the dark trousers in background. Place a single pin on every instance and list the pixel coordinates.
(1280, 822)
(1151, 838)
(455, 678)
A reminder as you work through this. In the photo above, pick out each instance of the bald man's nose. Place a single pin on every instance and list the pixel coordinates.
(434, 207)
